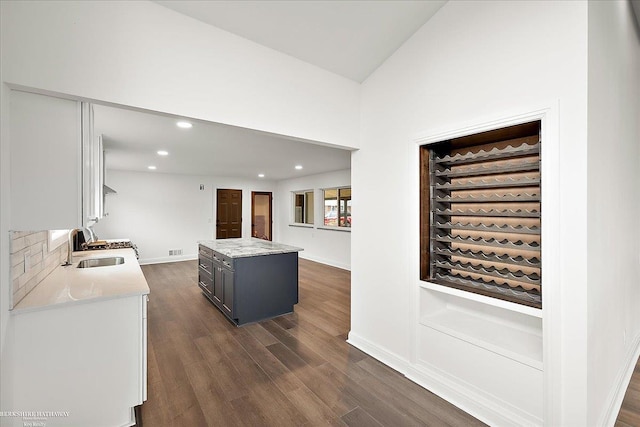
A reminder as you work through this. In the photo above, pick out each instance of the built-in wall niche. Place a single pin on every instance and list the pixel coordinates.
(513, 334)
(479, 334)
(489, 350)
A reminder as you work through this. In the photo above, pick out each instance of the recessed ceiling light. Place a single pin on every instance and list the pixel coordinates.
(184, 125)
(151, 168)
(298, 167)
(163, 153)
(260, 175)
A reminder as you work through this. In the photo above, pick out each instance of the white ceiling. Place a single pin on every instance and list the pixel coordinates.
(132, 139)
(349, 38)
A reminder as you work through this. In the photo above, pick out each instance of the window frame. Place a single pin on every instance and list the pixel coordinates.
(57, 238)
(338, 199)
(305, 208)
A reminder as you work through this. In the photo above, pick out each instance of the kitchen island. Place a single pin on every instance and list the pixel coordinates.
(249, 280)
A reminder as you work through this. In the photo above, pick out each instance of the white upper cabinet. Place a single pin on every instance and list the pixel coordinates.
(45, 150)
(57, 163)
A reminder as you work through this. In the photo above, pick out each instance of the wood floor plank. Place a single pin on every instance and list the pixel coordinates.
(250, 373)
(629, 417)
(294, 370)
(252, 415)
(331, 394)
(381, 410)
(416, 395)
(272, 366)
(333, 350)
(277, 408)
(287, 357)
(261, 334)
(154, 410)
(313, 407)
(359, 418)
(230, 385)
(219, 412)
(300, 349)
(629, 414)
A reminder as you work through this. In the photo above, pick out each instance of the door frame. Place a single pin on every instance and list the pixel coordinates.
(253, 213)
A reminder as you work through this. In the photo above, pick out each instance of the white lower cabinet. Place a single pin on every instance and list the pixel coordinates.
(88, 360)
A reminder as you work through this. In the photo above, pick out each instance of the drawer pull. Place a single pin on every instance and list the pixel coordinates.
(204, 267)
(202, 284)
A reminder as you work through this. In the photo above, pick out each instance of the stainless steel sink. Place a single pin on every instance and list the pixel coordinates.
(100, 262)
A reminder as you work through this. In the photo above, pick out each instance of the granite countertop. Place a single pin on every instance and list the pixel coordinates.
(72, 285)
(239, 248)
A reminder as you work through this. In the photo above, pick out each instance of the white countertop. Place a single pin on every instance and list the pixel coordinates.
(72, 285)
(239, 248)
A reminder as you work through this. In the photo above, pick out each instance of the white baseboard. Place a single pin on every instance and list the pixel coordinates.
(390, 359)
(332, 263)
(454, 391)
(469, 399)
(167, 259)
(616, 395)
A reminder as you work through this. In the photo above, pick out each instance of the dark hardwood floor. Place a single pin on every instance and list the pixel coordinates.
(295, 370)
(629, 415)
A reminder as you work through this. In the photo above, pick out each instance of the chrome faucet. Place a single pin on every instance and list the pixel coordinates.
(72, 233)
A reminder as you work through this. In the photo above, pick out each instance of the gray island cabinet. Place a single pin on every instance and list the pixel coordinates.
(249, 279)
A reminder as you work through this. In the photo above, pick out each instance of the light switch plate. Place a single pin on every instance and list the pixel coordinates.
(27, 261)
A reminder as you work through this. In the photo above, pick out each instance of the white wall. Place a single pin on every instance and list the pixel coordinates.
(472, 62)
(159, 212)
(140, 54)
(613, 265)
(326, 246)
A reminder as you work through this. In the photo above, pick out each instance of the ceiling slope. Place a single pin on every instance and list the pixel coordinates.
(348, 38)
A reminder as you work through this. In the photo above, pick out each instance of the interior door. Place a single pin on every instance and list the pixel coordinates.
(261, 223)
(229, 214)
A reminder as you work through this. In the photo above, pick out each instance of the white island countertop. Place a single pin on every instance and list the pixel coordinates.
(71, 285)
(240, 248)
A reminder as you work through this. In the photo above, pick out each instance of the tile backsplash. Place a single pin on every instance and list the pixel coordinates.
(32, 247)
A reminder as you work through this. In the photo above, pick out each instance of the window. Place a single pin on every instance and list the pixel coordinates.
(303, 207)
(480, 213)
(57, 238)
(337, 207)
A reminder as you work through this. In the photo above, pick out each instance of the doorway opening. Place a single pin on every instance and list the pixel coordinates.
(228, 213)
(261, 213)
